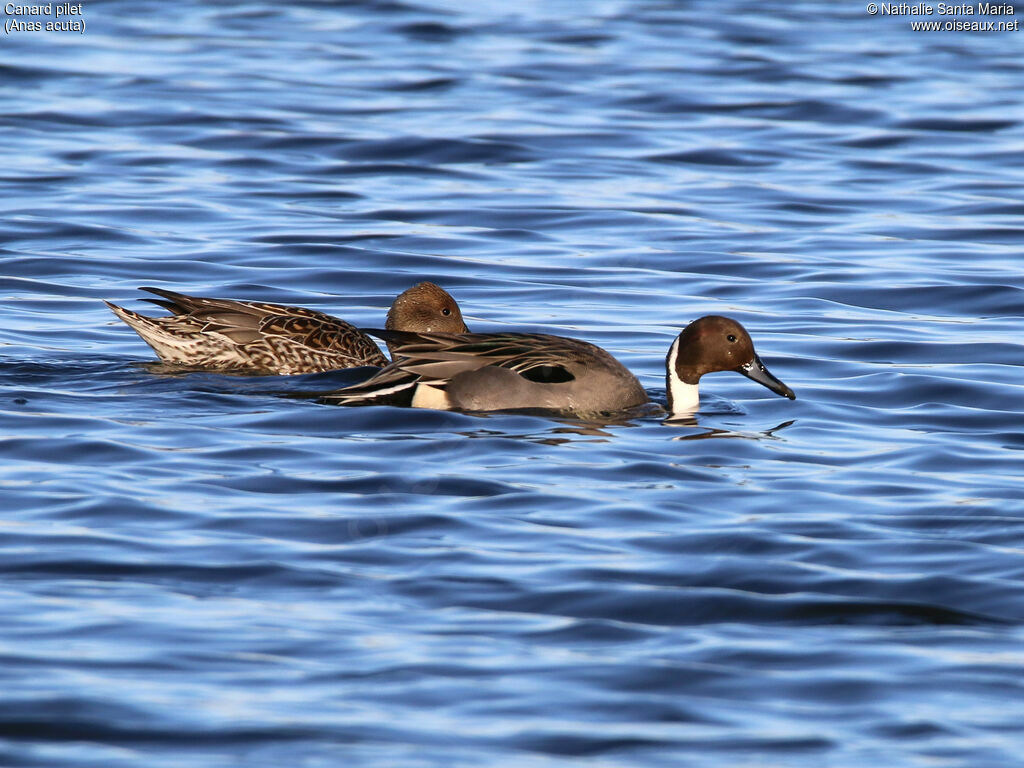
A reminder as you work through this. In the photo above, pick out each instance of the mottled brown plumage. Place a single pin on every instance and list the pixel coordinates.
(257, 337)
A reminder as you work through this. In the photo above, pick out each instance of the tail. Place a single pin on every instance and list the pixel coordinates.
(170, 346)
(134, 320)
(390, 386)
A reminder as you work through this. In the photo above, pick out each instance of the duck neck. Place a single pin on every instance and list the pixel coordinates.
(683, 398)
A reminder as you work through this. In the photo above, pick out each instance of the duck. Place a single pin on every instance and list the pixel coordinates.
(273, 339)
(511, 371)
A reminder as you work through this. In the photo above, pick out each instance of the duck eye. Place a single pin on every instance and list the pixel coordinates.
(446, 311)
(731, 337)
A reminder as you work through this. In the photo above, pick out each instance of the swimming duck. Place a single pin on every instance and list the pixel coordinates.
(255, 337)
(501, 371)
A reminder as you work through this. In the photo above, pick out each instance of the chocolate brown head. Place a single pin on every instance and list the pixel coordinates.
(716, 343)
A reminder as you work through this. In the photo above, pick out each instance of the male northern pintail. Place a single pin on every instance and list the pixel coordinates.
(501, 371)
(254, 337)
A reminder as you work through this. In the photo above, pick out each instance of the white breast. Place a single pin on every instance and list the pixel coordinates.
(683, 397)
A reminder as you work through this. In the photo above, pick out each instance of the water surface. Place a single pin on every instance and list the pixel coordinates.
(200, 569)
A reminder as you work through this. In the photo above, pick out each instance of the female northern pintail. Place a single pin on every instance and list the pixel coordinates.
(500, 371)
(254, 337)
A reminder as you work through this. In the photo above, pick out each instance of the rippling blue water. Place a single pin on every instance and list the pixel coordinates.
(197, 569)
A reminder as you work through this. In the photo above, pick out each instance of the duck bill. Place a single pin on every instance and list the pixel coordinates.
(756, 371)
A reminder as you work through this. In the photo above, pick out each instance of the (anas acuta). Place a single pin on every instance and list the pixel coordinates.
(502, 371)
(256, 337)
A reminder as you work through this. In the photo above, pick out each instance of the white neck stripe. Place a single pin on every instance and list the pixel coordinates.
(682, 397)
